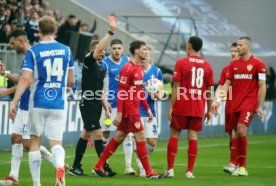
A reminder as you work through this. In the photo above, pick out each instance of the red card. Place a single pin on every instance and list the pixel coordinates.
(112, 19)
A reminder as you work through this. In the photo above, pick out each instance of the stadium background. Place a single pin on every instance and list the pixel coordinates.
(219, 22)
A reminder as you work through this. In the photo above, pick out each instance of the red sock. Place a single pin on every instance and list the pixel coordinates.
(242, 151)
(171, 151)
(192, 151)
(143, 156)
(108, 151)
(233, 151)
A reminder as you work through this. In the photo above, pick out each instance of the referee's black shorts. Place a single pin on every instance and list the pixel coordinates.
(91, 116)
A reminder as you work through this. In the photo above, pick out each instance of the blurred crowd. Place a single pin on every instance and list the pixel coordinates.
(25, 14)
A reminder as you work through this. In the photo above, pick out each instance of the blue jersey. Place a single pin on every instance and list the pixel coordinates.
(111, 80)
(152, 72)
(24, 100)
(49, 62)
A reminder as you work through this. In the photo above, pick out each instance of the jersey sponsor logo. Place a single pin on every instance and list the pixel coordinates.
(235, 68)
(113, 69)
(123, 79)
(243, 76)
(195, 60)
(249, 67)
(138, 82)
(137, 124)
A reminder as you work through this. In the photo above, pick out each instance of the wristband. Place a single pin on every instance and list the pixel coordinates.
(110, 33)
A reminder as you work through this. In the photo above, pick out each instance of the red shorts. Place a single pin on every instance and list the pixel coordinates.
(130, 124)
(244, 117)
(186, 122)
(228, 124)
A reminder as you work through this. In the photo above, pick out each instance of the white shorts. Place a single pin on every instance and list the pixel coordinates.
(151, 129)
(20, 125)
(51, 122)
(112, 117)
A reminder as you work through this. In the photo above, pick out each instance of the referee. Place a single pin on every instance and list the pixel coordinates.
(92, 102)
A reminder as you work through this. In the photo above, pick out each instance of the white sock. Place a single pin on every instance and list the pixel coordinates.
(59, 155)
(16, 157)
(105, 141)
(150, 149)
(45, 154)
(35, 163)
(127, 145)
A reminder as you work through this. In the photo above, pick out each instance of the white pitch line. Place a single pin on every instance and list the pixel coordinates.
(180, 148)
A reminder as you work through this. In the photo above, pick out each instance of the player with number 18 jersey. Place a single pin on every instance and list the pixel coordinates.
(195, 75)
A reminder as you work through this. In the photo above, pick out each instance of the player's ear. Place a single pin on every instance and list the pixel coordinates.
(136, 50)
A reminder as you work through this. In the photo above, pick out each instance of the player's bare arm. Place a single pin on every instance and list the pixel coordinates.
(71, 78)
(7, 91)
(106, 106)
(219, 94)
(262, 92)
(150, 115)
(103, 43)
(208, 114)
(173, 99)
(24, 83)
(11, 77)
(117, 119)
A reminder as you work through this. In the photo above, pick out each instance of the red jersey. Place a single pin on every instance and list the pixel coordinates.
(244, 76)
(131, 90)
(195, 75)
(223, 77)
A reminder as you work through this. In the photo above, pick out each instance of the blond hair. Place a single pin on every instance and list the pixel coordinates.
(47, 25)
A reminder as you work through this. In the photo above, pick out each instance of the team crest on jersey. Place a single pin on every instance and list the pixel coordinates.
(249, 67)
(123, 79)
(137, 124)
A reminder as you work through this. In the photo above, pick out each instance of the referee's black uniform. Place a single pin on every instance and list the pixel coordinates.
(92, 90)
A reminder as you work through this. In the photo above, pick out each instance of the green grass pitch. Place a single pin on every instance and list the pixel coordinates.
(213, 154)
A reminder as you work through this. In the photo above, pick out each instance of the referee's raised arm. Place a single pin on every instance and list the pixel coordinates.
(101, 46)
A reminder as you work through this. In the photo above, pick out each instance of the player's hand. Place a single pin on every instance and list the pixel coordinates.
(107, 114)
(208, 116)
(12, 111)
(170, 114)
(215, 106)
(260, 113)
(2, 69)
(112, 23)
(3, 91)
(150, 115)
(117, 119)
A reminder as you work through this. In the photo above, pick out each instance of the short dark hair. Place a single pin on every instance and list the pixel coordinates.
(71, 16)
(17, 33)
(136, 45)
(234, 44)
(246, 38)
(116, 41)
(196, 43)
